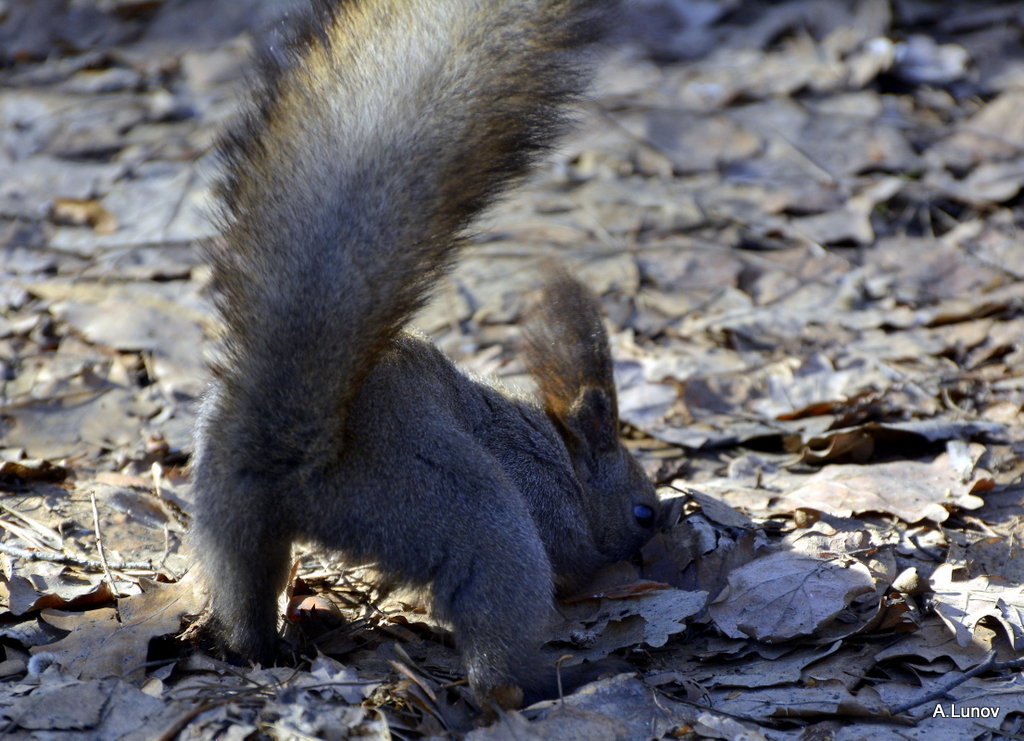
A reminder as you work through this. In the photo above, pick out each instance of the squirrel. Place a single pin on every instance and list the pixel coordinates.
(372, 141)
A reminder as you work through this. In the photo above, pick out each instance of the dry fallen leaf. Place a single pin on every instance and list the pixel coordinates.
(33, 470)
(787, 595)
(99, 646)
(103, 708)
(621, 707)
(822, 699)
(911, 490)
(755, 671)
(935, 641)
(46, 585)
(649, 619)
(81, 212)
(963, 604)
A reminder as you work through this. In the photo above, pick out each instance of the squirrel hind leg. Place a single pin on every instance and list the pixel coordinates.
(243, 580)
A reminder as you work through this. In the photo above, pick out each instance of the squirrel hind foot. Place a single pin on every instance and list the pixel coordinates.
(502, 697)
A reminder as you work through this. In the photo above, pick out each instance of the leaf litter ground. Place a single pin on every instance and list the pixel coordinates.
(803, 221)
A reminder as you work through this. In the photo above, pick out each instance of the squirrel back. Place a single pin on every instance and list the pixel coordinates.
(371, 143)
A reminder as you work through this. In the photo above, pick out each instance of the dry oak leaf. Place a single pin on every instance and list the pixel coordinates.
(911, 490)
(963, 604)
(51, 585)
(99, 646)
(786, 595)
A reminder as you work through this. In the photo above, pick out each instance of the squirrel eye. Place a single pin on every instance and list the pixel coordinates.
(644, 515)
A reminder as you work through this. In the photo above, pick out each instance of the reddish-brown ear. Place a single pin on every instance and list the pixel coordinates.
(567, 355)
(593, 423)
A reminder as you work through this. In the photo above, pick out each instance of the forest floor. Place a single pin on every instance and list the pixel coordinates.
(802, 219)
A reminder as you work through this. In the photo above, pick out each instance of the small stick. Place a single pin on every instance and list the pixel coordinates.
(103, 556)
(988, 663)
(50, 537)
(558, 676)
(67, 558)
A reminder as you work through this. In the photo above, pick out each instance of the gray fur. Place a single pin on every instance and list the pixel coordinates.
(350, 182)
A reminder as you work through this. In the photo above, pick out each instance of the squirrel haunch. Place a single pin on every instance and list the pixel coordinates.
(371, 143)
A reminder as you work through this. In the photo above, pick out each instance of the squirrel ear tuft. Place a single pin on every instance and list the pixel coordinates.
(567, 350)
(593, 421)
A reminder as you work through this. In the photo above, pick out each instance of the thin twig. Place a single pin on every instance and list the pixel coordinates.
(67, 558)
(558, 676)
(50, 537)
(988, 663)
(24, 534)
(103, 555)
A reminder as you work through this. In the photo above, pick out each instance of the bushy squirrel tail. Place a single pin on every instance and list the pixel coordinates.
(373, 139)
